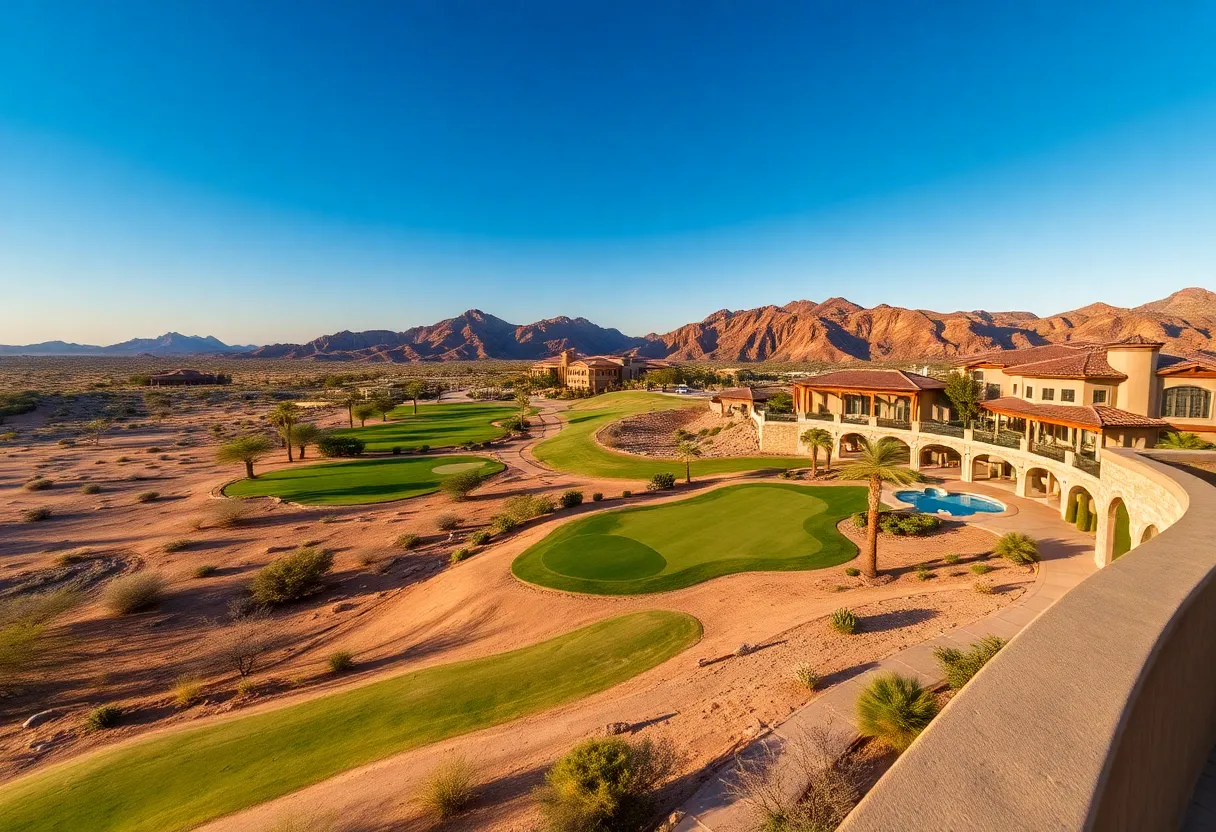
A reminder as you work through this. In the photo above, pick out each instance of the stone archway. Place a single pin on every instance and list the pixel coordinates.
(1038, 483)
(1149, 533)
(1081, 510)
(939, 458)
(849, 445)
(907, 449)
(1118, 530)
(992, 467)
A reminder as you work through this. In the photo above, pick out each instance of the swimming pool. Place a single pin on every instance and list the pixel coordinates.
(955, 503)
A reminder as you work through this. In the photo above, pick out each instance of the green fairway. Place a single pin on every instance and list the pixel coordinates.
(436, 425)
(360, 481)
(741, 528)
(575, 449)
(182, 779)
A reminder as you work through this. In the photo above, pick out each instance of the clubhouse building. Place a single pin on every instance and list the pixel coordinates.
(594, 373)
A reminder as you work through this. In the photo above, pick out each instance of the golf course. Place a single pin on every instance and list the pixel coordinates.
(575, 450)
(180, 779)
(435, 425)
(738, 528)
(360, 481)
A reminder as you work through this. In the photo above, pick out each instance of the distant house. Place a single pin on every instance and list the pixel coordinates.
(596, 373)
(740, 401)
(180, 378)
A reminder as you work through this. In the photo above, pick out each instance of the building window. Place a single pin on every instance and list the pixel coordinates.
(1015, 389)
(1029, 392)
(1049, 394)
(1099, 397)
(978, 375)
(1188, 403)
(993, 391)
(1068, 395)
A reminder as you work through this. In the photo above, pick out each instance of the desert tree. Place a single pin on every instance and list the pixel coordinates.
(686, 451)
(305, 434)
(414, 389)
(964, 393)
(284, 418)
(95, 429)
(383, 404)
(247, 449)
(818, 439)
(363, 412)
(242, 645)
(880, 462)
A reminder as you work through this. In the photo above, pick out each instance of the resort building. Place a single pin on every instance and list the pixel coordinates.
(178, 378)
(739, 401)
(595, 373)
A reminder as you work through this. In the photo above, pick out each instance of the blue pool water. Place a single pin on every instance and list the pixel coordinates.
(933, 500)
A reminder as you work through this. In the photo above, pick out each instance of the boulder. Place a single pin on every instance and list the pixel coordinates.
(40, 718)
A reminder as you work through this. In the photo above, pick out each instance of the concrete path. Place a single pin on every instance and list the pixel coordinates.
(1067, 558)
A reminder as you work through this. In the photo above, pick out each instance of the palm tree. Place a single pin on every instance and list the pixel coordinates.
(349, 401)
(1183, 441)
(305, 434)
(687, 451)
(818, 439)
(246, 449)
(879, 462)
(284, 418)
(413, 389)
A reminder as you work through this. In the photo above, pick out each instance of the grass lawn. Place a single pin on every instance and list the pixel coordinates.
(436, 425)
(574, 449)
(182, 779)
(357, 481)
(740, 528)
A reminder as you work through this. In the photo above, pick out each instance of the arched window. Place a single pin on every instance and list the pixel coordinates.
(1188, 403)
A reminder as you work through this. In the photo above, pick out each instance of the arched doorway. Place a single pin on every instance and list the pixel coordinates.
(1119, 529)
(850, 446)
(940, 457)
(1149, 533)
(993, 468)
(1080, 510)
(1038, 483)
(906, 457)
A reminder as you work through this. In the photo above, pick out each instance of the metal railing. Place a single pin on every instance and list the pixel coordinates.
(1004, 438)
(855, 420)
(896, 424)
(826, 417)
(943, 428)
(1088, 464)
(778, 417)
(1048, 450)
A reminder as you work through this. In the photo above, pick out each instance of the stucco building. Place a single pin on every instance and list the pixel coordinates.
(596, 373)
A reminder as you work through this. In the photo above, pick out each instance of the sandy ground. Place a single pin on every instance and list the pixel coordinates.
(399, 611)
(654, 434)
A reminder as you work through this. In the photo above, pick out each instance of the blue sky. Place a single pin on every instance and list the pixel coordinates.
(274, 171)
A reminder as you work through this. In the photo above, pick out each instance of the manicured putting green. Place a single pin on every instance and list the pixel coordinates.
(740, 528)
(182, 779)
(436, 425)
(360, 480)
(575, 449)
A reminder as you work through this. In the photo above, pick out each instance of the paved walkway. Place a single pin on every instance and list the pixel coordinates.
(1067, 558)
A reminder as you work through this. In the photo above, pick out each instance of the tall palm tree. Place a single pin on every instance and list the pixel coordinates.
(306, 433)
(1183, 441)
(818, 439)
(687, 451)
(284, 418)
(349, 401)
(879, 462)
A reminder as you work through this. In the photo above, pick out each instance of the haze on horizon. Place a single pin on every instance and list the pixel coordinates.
(272, 171)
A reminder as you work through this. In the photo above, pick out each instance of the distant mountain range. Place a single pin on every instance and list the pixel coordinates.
(834, 330)
(171, 343)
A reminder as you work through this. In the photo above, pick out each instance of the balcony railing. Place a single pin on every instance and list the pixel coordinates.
(826, 417)
(1048, 450)
(1088, 464)
(778, 417)
(943, 428)
(1004, 438)
(896, 424)
(853, 419)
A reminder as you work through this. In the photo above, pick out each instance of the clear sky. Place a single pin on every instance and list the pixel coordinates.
(273, 171)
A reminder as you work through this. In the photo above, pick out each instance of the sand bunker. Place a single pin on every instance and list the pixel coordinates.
(456, 467)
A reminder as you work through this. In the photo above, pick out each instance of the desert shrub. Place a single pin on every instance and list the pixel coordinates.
(626, 493)
(396, 450)
(291, 577)
(38, 484)
(959, 665)
(480, 538)
(923, 572)
(133, 593)
(502, 523)
(570, 499)
(423, 448)
(1081, 513)
(187, 691)
(340, 661)
(222, 514)
(951, 559)
(524, 507)
(458, 486)
(406, 541)
(983, 588)
(805, 675)
(661, 482)
(605, 783)
(246, 687)
(447, 521)
(899, 523)
(102, 717)
(981, 568)
(36, 515)
(91, 488)
(23, 621)
(852, 571)
(449, 789)
(8, 436)
(330, 445)
(177, 545)
(843, 621)
(205, 571)
(459, 555)
(894, 709)
(597, 496)
(1017, 547)
(147, 496)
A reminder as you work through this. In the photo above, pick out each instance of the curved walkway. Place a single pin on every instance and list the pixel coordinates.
(1066, 561)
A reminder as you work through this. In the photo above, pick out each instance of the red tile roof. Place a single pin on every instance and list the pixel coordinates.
(872, 380)
(1095, 416)
(1180, 364)
(745, 393)
(1072, 360)
(1087, 364)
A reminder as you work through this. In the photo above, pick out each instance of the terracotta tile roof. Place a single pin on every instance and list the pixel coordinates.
(1027, 355)
(597, 361)
(745, 393)
(1136, 341)
(1087, 364)
(1196, 361)
(875, 380)
(1095, 416)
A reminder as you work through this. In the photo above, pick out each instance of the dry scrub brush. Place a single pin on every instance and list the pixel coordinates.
(449, 789)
